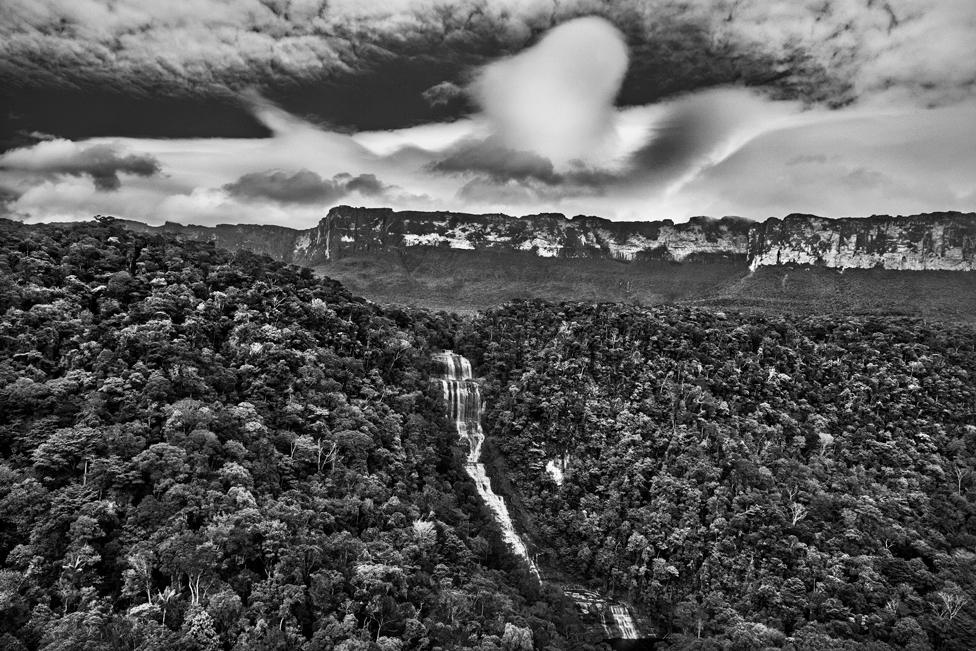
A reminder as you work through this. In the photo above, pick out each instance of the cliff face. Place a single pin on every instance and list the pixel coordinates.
(275, 241)
(937, 241)
(347, 231)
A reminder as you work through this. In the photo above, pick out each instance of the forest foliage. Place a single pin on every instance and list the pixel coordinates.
(206, 450)
(211, 450)
(745, 481)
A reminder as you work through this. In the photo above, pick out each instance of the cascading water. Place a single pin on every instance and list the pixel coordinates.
(463, 397)
(623, 620)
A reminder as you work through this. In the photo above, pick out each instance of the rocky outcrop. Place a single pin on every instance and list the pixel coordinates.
(348, 231)
(936, 241)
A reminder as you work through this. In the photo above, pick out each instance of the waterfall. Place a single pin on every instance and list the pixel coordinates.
(623, 620)
(463, 397)
(462, 394)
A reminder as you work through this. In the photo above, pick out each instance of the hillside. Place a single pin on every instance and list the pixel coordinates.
(204, 449)
(207, 450)
(467, 281)
(807, 289)
(744, 481)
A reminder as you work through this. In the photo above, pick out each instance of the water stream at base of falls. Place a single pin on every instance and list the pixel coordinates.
(462, 394)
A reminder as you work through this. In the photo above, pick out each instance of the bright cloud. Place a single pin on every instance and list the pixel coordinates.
(556, 98)
(548, 137)
(772, 159)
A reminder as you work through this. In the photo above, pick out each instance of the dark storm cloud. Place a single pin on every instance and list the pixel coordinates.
(142, 45)
(682, 135)
(102, 163)
(379, 65)
(488, 164)
(491, 159)
(117, 110)
(303, 186)
(365, 184)
(688, 131)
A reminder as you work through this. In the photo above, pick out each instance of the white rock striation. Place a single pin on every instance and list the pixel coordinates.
(930, 242)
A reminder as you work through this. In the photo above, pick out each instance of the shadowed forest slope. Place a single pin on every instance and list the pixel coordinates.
(746, 481)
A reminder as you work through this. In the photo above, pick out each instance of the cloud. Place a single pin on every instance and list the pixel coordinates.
(919, 51)
(549, 112)
(492, 159)
(382, 65)
(556, 98)
(365, 184)
(847, 163)
(495, 176)
(559, 144)
(523, 195)
(303, 186)
(444, 94)
(102, 162)
(698, 131)
(678, 140)
(7, 198)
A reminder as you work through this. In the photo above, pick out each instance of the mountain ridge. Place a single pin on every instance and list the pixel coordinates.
(943, 241)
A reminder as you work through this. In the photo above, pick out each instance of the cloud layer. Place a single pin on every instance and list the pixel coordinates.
(367, 64)
(772, 159)
(101, 162)
(303, 186)
(838, 107)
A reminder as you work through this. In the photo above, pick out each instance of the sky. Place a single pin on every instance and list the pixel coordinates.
(273, 111)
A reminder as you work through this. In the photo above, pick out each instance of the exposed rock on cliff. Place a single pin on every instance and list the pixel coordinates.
(347, 231)
(936, 241)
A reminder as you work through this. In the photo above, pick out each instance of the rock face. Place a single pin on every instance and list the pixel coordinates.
(936, 241)
(347, 231)
(275, 241)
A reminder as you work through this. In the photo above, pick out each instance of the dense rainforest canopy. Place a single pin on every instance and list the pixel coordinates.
(206, 450)
(746, 481)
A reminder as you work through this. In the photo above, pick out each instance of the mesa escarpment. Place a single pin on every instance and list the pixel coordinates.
(931, 242)
(348, 231)
(934, 241)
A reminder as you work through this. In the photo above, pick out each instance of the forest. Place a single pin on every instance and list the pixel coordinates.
(210, 451)
(745, 481)
(206, 450)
